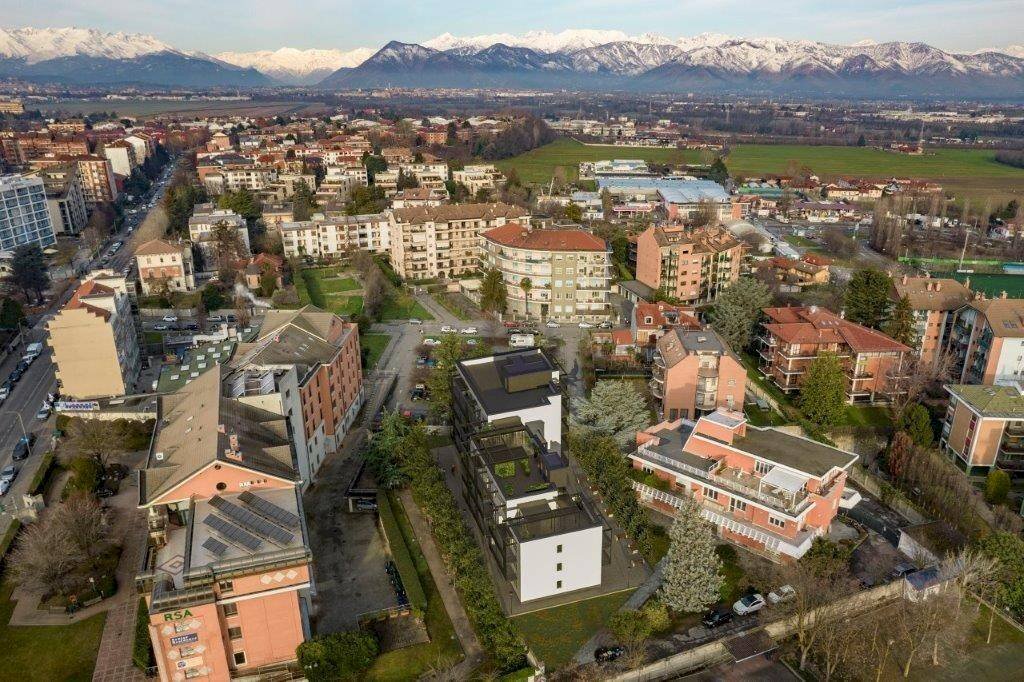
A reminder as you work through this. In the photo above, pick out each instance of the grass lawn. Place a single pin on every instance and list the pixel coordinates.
(403, 307)
(732, 573)
(538, 165)
(54, 652)
(412, 662)
(341, 304)
(797, 240)
(375, 343)
(759, 417)
(336, 285)
(972, 172)
(867, 415)
(556, 634)
(1003, 659)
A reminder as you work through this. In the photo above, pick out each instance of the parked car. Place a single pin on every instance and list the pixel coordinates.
(429, 341)
(160, 327)
(448, 329)
(4, 487)
(605, 324)
(715, 617)
(215, 318)
(551, 324)
(784, 593)
(604, 654)
(749, 604)
(44, 412)
(367, 505)
(16, 375)
(23, 365)
(8, 473)
(4, 392)
(415, 320)
(585, 325)
(418, 392)
(170, 318)
(901, 570)
(468, 330)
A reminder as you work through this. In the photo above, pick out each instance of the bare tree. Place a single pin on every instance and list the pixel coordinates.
(93, 438)
(81, 522)
(916, 377)
(44, 560)
(817, 600)
(971, 570)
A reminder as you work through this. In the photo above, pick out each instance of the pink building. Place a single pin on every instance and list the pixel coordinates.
(695, 372)
(765, 490)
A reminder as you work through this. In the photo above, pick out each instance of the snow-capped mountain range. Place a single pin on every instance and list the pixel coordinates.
(577, 59)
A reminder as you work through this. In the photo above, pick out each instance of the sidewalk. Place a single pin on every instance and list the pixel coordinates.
(437, 310)
(452, 604)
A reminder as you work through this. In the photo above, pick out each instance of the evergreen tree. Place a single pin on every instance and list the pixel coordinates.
(28, 270)
(867, 297)
(901, 325)
(526, 284)
(862, 141)
(692, 580)
(616, 409)
(917, 423)
(719, 173)
(573, 212)
(737, 310)
(11, 313)
(493, 293)
(823, 392)
(303, 202)
(243, 202)
(997, 486)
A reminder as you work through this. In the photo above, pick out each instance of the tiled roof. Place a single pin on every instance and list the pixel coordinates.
(1004, 315)
(817, 325)
(157, 246)
(991, 401)
(517, 236)
(927, 293)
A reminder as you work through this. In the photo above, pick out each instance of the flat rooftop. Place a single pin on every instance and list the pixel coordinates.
(528, 373)
(191, 363)
(802, 454)
(545, 518)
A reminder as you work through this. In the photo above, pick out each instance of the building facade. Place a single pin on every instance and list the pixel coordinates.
(24, 213)
(692, 266)
(569, 272)
(984, 428)
(767, 491)
(162, 263)
(934, 302)
(694, 372)
(65, 197)
(333, 237)
(987, 341)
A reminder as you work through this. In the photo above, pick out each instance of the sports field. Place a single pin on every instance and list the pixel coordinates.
(538, 165)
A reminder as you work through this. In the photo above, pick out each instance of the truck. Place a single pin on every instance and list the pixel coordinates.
(521, 341)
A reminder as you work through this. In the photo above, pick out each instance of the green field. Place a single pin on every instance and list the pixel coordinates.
(993, 285)
(538, 165)
(556, 634)
(151, 107)
(971, 172)
(374, 345)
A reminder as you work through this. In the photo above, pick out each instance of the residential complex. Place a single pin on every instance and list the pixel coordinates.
(94, 341)
(935, 303)
(534, 518)
(987, 341)
(165, 264)
(692, 266)
(65, 197)
(809, 270)
(694, 372)
(984, 428)
(203, 227)
(792, 338)
(444, 241)
(335, 236)
(122, 157)
(569, 272)
(765, 490)
(24, 214)
(479, 177)
(226, 575)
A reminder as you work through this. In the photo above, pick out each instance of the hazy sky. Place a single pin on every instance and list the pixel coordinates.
(218, 25)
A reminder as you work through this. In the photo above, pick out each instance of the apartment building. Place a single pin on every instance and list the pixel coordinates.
(536, 522)
(692, 266)
(987, 341)
(226, 575)
(122, 157)
(206, 218)
(795, 274)
(333, 237)
(22, 147)
(792, 338)
(478, 177)
(569, 272)
(648, 322)
(98, 182)
(984, 428)
(418, 196)
(94, 342)
(934, 302)
(163, 263)
(430, 242)
(233, 177)
(24, 213)
(767, 491)
(694, 372)
(143, 145)
(429, 175)
(65, 197)
(305, 365)
(11, 106)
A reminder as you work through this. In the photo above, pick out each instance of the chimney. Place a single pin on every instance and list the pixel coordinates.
(1003, 294)
(967, 283)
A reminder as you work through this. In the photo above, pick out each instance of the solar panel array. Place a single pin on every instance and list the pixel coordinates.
(269, 510)
(215, 546)
(251, 522)
(233, 533)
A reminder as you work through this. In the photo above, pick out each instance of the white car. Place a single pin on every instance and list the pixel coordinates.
(551, 324)
(471, 342)
(784, 593)
(170, 318)
(585, 325)
(751, 603)
(448, 329)
(160, 327)
(468, 330)
(415, 320)
(4, 392)
(431, 342)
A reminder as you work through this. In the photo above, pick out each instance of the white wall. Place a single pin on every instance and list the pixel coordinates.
(550, 414)
(580, 558)
(1010, 365)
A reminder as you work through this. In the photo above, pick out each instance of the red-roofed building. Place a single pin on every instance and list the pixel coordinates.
(650, 321)
(95, 346)
(874, 364)
(568, 272)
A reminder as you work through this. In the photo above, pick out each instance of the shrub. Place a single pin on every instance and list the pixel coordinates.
(85, 475)
(400, 554)
(142, 652)
(338, 656)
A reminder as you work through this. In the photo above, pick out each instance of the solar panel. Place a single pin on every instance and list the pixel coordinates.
(269, 510)
(215, 546)
(251, 522)
(233, 533)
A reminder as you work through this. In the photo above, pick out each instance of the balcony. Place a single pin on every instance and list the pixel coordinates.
(752, 486)
(657, 388)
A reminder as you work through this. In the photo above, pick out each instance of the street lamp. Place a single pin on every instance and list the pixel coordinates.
(24, 432)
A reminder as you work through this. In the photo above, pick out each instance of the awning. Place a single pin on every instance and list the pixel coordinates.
(780, 479)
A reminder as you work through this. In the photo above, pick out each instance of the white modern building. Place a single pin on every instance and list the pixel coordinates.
(323, 237)
(24, 214)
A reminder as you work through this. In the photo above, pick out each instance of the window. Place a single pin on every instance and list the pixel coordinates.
(710, 494)
(239, 658)
(558, 567)
(558, 585)
(775, 521)
(558, 549)
(736, 504)
(235, 633)
(762, 468)
(226, 586)
(230, 609)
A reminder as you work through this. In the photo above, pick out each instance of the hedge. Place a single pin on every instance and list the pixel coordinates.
(400, 553)
(142, 652)
(8, 539)
(35, 486)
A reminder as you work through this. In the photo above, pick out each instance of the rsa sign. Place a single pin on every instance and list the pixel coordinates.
(177, 615)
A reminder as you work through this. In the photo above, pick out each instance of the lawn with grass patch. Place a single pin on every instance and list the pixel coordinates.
(538, 165)
(44, 653)
(375, 345)
(403, 307)
(1003, 659)
(556, 634)
(344, 305)
(867, 415)
(335, 285)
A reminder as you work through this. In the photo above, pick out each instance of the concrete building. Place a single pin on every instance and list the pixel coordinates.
(533, 516)
(692, 266)
(233, 177)
(934, 302)
(680, 198)
(333, 237)
(694, 372)
(65, 197)
(987, 341)
(430, 242)
(94, 342)
(569, 272)
(24, 214)
(317, 353)
(98, 182)
(202, 230)
(984, 428)
(226, 575)
(767, 491)
(478, 177)
(792, 338)
(122, 157)
(162, 262)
